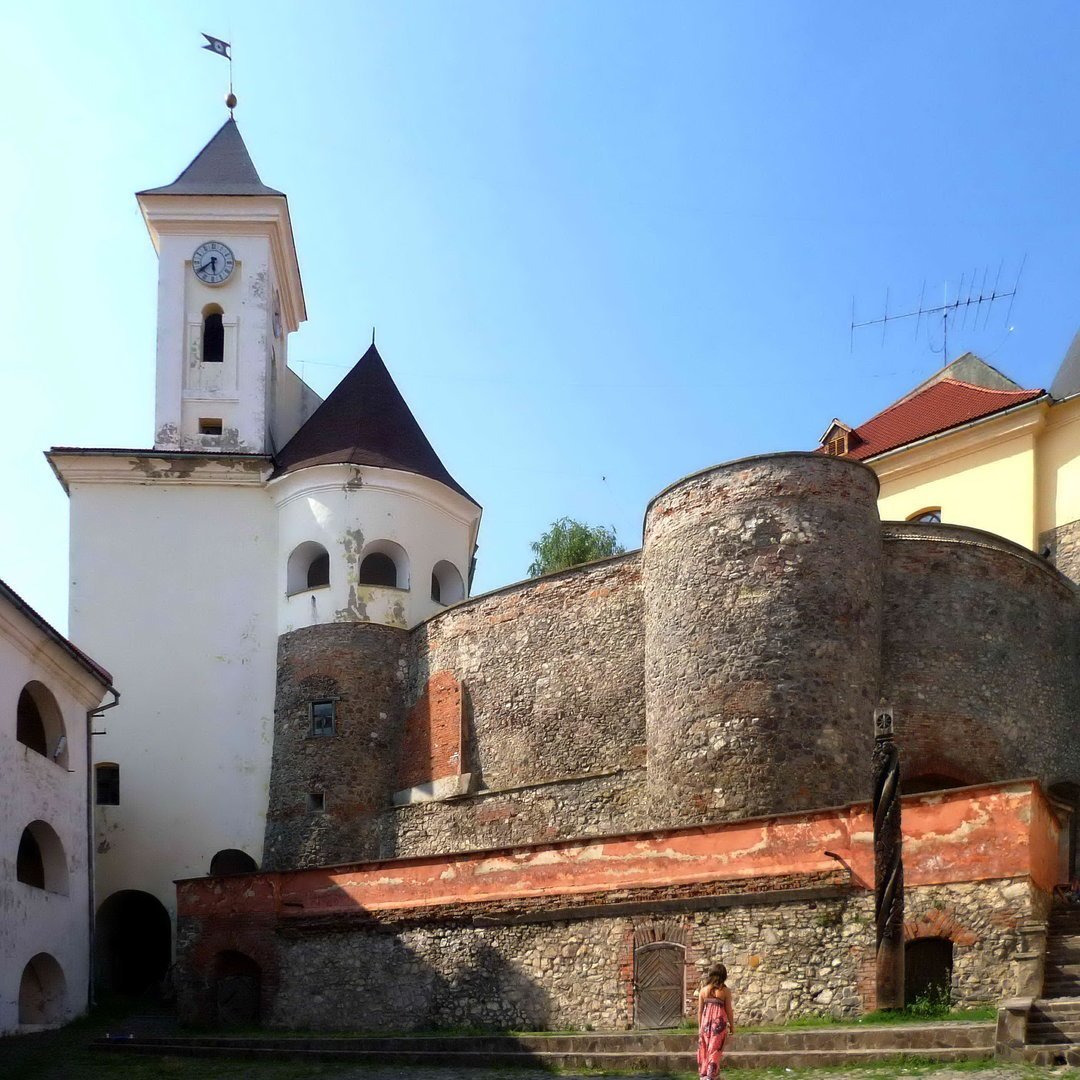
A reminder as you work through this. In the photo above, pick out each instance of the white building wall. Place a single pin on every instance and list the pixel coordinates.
(174, 581)
(37, 788)
(348, 509)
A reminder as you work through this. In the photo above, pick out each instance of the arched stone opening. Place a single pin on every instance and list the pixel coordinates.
(39, 724)
(446, 584)
(659, 984)
(928, 965)
(1069, 793)
(384, 563)
(42, 991)
(308, 567)
(40, 861)
(237, 990)
(133, 942)
(232, 861)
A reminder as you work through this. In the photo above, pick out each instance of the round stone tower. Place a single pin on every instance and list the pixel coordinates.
(763, 588)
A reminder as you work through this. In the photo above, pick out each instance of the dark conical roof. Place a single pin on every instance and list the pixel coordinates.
(365, 421)
(222, 167)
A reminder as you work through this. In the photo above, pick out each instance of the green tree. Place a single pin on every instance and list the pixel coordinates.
(570, 543)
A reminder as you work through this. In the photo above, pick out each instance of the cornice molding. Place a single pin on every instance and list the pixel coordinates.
(78, 466)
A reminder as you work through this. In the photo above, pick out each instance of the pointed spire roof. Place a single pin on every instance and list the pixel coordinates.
(365, 421)
(222, 167)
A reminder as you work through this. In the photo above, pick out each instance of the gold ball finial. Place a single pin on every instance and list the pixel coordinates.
(230, 101)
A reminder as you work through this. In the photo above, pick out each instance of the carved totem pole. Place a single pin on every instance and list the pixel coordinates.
(888, 865)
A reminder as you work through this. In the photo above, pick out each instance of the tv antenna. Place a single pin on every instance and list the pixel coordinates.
(975, 302)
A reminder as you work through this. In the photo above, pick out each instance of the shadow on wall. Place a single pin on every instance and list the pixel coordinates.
(251, 957)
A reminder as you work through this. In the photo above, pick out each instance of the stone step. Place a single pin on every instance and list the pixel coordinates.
(1056, 1054)
(896, 1038)
(608, 1061)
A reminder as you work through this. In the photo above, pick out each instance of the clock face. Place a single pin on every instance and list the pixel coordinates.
(212, 262)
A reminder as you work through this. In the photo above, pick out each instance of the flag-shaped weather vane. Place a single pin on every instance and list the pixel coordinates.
(223, 48)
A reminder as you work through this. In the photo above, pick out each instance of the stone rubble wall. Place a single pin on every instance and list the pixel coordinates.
(762, 637)
(1061, 546)
(785, 958)
(594, 804)
(980, 657)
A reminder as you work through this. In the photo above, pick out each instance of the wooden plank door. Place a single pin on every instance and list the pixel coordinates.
(659, 984)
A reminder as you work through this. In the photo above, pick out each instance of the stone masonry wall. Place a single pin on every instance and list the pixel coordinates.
(597, 804)
(361, 668)
(980, 657)
(1062, 548)
(786, 957)
(762, 637)
(552, 671)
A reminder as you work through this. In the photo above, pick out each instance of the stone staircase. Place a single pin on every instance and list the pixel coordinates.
(1053, 1026)
(628, 1052)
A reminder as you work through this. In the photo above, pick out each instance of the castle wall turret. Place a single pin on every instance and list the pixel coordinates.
(979, 658)
(762, 584)
(337, 728)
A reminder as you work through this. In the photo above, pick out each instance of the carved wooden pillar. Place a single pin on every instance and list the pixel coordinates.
(888, 866)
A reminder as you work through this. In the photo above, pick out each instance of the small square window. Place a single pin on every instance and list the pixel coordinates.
(209, 426)
(316, 802)
(322, 718)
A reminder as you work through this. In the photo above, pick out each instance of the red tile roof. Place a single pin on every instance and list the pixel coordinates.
(941, 406)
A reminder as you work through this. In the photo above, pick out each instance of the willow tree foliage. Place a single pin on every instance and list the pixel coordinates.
(570, 543)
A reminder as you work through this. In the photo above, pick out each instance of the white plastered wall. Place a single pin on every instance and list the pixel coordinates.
(346, 509)
(37, 788)
(173, 581)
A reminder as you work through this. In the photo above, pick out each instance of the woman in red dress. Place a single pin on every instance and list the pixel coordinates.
(716, 1021)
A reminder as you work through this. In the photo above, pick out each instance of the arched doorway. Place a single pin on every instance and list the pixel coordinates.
(133, 942)
(42, 991)
(660, 983)
(928, 964)
(237, 990)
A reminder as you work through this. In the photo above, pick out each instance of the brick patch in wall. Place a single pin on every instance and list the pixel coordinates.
(433, 743)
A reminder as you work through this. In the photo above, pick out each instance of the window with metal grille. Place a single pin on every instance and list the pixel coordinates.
(107, 785)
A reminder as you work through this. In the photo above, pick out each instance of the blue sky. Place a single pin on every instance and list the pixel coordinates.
(605, 244)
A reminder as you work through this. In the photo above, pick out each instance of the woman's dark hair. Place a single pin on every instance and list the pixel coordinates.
(717, 975)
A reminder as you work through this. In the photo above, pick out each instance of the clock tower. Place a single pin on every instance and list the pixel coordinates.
(229, 295)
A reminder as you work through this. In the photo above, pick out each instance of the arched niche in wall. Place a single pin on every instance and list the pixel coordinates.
(132, 942)
(40, 861)
(213, 335)
(447, 586)
(42, 991)
(39, 724)
(308, 567)
(386, 563)
(232, 861)
(237, 989)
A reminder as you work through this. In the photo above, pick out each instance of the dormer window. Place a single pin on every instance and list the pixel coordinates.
(213, 335)
(838, 439)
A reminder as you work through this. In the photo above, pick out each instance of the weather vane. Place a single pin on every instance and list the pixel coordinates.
(223, 48)
(974, 302)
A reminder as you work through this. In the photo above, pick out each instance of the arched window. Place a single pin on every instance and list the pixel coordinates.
(107, 784)
(308, 567)
(40, 861)
(384, 563)
(213, 335)
(446, 584)
(232, 861)
(39, 723)
(930, 516)
(42, 991)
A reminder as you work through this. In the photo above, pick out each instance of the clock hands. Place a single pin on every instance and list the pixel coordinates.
(212, 263)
